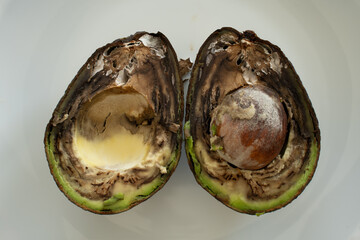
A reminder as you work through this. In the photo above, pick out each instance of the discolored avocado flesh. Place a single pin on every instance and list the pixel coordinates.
(115, 136)
(252, 136)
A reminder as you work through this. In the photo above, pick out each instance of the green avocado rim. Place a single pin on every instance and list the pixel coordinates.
(240, 203)
(117, 203)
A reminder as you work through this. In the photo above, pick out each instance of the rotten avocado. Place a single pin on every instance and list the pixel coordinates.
(115, 136)
(252, 136)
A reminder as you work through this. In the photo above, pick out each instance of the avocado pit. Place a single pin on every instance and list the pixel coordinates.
(250, 127)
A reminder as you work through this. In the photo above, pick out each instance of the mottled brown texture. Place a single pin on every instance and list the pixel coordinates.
(184, 67)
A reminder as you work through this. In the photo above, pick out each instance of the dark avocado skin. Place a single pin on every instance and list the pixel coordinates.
(288, 85)
(80, 90)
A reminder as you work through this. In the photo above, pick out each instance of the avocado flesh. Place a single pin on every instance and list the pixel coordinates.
(227, 61)
(102, 138)
(111, 143)
(240, 202)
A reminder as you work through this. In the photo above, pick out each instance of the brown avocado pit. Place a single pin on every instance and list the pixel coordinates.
(115, 136)
(250, 127)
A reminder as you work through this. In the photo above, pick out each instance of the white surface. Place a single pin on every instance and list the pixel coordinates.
(42, 46)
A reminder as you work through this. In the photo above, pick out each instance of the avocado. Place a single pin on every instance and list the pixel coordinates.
(252, 136)
(114, 138)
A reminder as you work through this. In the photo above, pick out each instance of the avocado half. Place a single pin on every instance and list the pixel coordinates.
(115, 137)
(252, 136)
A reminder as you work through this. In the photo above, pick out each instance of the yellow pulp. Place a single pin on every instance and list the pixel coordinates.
(121, 150)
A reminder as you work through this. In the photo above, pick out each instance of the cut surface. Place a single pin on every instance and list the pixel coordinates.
(121, 150)
(115, 136)
(252, 135)
(107, 135)
(235, 196)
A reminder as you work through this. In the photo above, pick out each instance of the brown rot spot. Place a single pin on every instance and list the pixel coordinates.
(249, 127)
